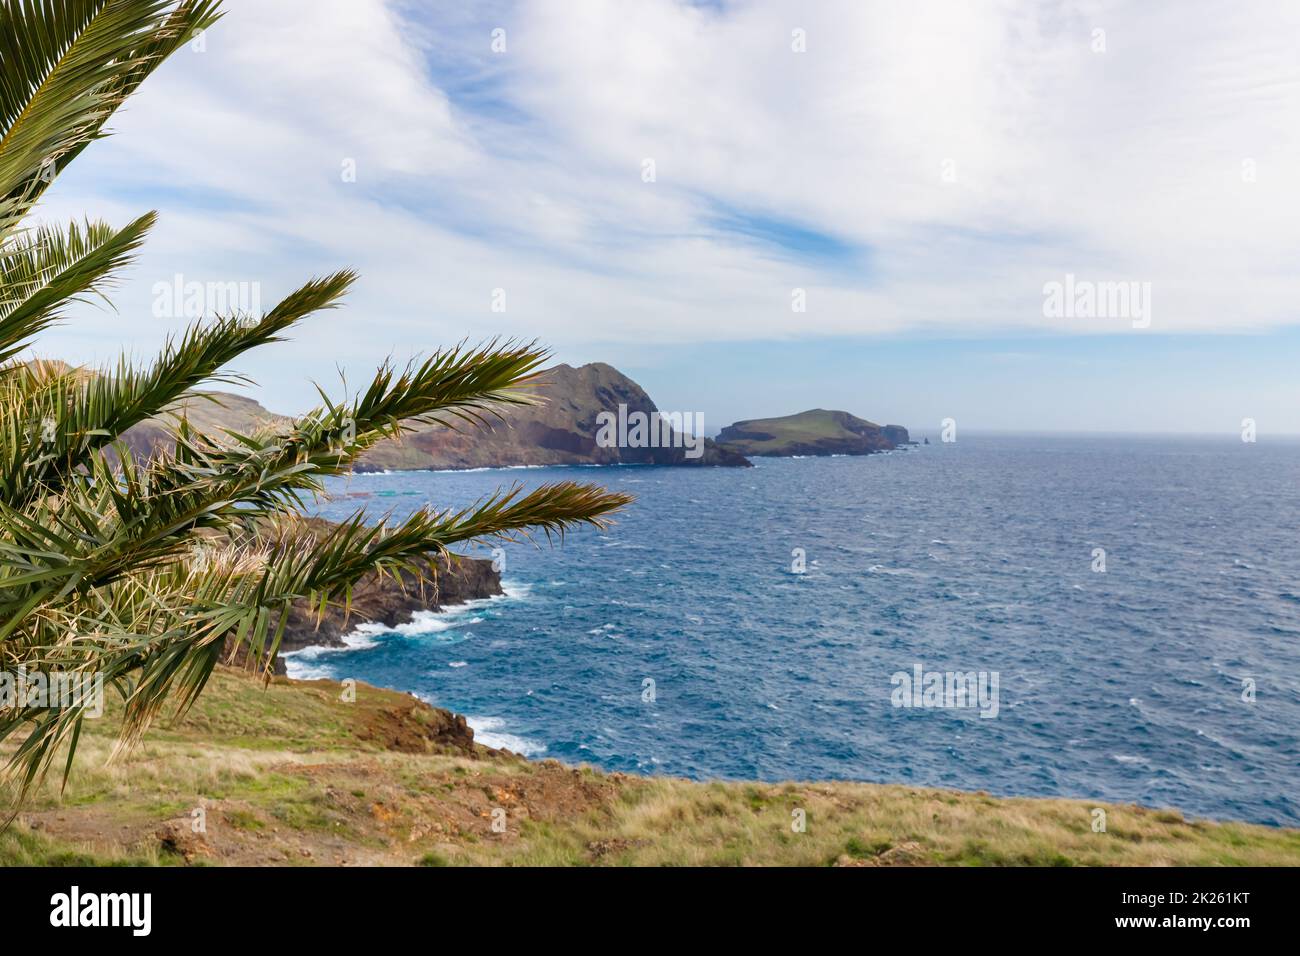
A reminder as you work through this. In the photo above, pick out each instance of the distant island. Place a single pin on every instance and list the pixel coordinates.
(581, 409)
(814, 432)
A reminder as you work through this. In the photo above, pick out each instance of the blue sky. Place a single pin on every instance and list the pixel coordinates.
(656, 184)
(1186, 384)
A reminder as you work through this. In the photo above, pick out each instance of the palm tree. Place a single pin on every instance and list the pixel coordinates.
(99, 569)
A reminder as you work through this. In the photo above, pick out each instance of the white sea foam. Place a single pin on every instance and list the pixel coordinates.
(311, 663)
(488, 732)
(515, 591)
(298, 669)
(425, 622)
(881, 569)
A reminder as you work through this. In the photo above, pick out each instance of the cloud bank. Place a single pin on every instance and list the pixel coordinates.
(900, 168)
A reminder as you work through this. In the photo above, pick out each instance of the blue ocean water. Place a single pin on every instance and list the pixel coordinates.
(1122, 685)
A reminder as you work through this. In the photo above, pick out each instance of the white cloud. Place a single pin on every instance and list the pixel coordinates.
(522, 170)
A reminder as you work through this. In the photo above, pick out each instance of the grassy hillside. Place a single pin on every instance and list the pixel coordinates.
(814, 432)
(291, 775)
(814, 423)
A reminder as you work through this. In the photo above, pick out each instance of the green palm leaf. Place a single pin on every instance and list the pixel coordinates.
(65, 66)
(42, 272)
(97, 568)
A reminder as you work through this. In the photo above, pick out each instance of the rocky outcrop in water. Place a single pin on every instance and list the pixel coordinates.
(389, 600)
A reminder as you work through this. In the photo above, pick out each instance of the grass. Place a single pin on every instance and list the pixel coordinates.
(291, 775)
(813, 426)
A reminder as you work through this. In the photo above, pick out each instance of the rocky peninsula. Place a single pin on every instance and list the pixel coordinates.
(566, 427)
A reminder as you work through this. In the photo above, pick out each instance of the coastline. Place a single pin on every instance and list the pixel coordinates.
(391, 602)
(290, 773)
(488, 732)
(373, 472)
(309, 662)
(614, 603)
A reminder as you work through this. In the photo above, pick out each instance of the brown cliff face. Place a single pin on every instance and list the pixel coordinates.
(389, 601)
(564, 430)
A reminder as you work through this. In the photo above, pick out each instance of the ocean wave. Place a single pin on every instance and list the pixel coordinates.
(881, 569)
(422, 623)
(311, 663)
(488, 732)
(514, 590)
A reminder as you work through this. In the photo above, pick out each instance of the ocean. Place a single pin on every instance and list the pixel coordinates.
(757, 623)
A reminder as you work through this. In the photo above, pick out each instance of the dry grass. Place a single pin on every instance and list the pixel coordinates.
(291, 775)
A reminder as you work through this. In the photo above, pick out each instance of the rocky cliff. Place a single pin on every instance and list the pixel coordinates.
(814, 432)
(589, 416)
(565, 430)
(390, 601)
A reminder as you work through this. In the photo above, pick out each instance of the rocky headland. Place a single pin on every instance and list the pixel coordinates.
(564, 428)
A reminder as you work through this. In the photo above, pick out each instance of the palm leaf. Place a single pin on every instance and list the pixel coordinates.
(96, 569)
(65, 66)
(42, 272)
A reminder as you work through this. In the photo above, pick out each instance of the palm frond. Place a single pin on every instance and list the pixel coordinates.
(65, 67)
(88, 410)
(97, 569)
(42, 272)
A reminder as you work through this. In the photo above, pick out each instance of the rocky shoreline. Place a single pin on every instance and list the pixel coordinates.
(393, 600)
(390, 600)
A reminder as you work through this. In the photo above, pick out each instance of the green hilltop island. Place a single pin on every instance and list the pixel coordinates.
(814, 432)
